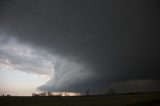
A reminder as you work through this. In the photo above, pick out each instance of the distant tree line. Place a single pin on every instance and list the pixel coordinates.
(49, 94)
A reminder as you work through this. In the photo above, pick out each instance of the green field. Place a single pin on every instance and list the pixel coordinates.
(145, 99)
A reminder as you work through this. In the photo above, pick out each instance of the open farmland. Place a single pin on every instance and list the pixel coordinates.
(145, 99)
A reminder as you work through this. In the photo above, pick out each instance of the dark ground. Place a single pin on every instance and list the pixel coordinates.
(144, 99)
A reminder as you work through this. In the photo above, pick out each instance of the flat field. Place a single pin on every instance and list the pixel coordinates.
(144, 99)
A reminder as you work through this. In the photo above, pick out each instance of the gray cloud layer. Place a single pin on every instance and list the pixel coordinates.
(17, 56)
(98, 42)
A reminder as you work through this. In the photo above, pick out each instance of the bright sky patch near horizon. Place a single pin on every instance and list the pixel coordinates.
(20, 83)
(23, 68)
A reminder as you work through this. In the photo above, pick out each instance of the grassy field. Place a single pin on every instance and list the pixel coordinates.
(145, 99)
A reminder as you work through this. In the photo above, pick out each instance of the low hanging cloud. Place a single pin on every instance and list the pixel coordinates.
(136, 86)
(62, 72)
(17, 56)
(83, 45)
(67, 74)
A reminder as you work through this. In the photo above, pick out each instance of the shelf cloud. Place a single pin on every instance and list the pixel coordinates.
(84, 45)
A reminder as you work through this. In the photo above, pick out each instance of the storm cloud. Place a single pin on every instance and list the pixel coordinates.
(95, 43)
(18, 56)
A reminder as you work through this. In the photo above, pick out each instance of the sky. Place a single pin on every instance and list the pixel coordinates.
(79, 45)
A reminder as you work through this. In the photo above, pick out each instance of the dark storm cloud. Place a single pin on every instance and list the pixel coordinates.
(109, 41)
(137, 86)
